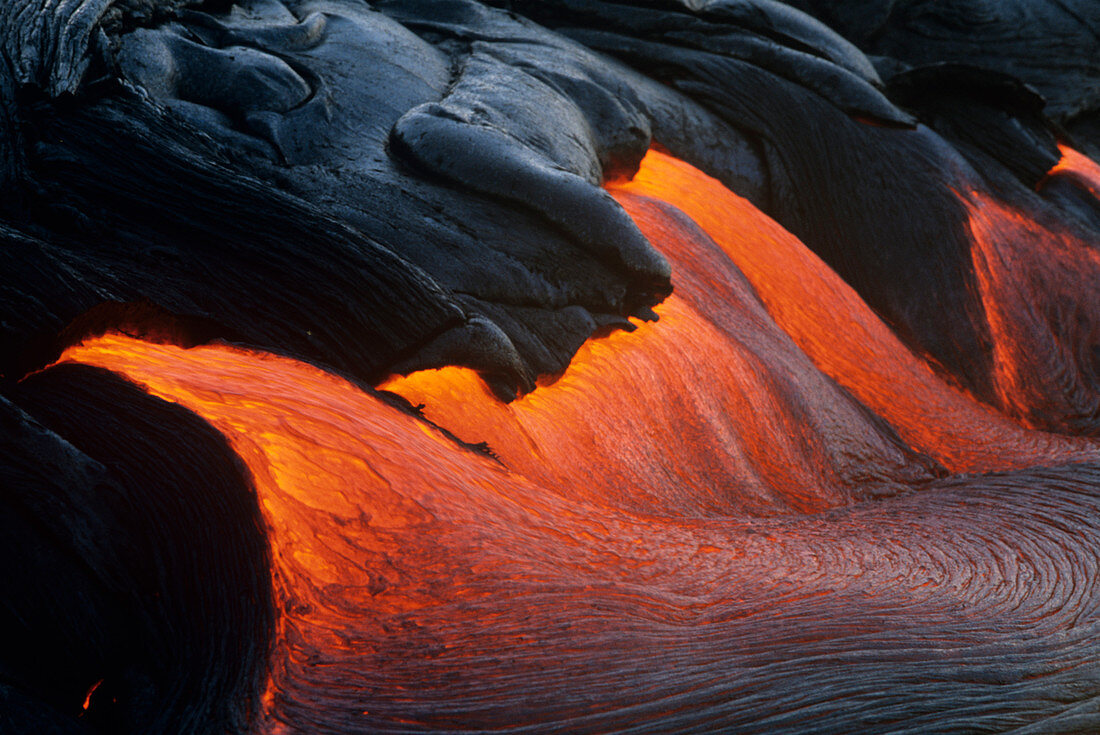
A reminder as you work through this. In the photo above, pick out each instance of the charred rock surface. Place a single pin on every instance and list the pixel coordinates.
(136, 568)
(505, 255)
(1015, 37)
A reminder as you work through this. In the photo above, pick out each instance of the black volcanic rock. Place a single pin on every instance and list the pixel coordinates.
(247, 165)
(119, 510)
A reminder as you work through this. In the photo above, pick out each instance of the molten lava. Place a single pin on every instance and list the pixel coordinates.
(823, 316)
(1077, 168)
(630, 552)
(1036, 278)
(712, 414)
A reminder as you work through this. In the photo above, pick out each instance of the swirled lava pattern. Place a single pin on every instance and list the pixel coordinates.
(762, 487)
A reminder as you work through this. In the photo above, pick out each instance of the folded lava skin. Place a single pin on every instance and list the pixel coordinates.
(559, 366)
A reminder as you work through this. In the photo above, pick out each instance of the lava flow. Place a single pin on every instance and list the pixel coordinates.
(1077, 168)
(1037, 286)
(824, 317)
(634, 553)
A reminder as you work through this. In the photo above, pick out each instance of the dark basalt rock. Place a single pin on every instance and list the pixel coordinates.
(991, 118)
(486, 137)
(158, 234)
(118, 511)
(1049, 44)
(762, 33)
(266, 101)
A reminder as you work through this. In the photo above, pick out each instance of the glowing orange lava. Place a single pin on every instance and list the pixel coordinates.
(88, 697)
(1037, 281)
(392, 548)
(1076, 167)
(423, 584)
(824, 317)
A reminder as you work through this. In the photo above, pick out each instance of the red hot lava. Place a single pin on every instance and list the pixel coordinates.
(667, 530)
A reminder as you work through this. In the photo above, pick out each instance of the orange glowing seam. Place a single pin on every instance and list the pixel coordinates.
(845, 339)
(88, 696)
(1078, 168)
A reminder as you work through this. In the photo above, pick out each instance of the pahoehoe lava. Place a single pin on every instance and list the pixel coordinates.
(557, 366)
